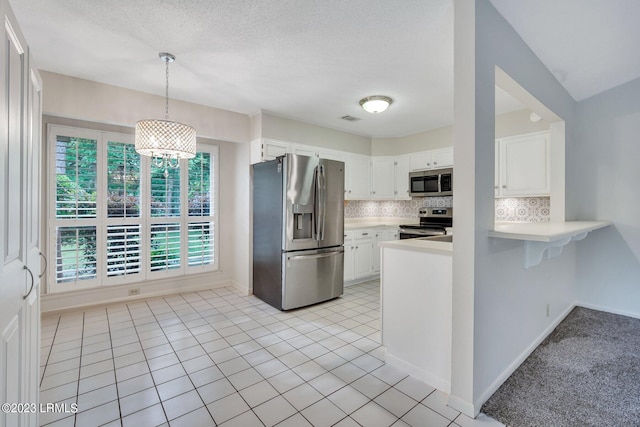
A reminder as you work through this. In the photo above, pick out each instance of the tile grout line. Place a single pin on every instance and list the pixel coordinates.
(46, 363)
(113, 358)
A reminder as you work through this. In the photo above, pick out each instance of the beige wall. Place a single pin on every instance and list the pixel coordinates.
(517, 123)
(428, 140)
(75, 98)
(80, 103)
(288, 130)
(514, 123)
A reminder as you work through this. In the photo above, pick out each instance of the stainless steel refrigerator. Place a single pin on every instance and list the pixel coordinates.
(298, 231)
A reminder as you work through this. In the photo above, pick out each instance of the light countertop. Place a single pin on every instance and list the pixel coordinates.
(358, 223)
(545, 231)
(418, 245)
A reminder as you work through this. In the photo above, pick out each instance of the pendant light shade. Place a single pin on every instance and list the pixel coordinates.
(165, 140)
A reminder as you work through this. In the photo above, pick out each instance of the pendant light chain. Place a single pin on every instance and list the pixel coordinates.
(166, 96)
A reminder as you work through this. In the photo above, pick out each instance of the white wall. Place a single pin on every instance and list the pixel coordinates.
(499, 307)
(603, 183)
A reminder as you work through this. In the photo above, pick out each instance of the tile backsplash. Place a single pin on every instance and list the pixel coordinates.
(521, 209)
(392, 208)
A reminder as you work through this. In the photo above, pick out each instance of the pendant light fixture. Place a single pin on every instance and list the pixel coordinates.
(375, 103)
(166, 141)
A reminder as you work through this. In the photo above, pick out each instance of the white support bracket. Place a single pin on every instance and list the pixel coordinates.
(546, 240)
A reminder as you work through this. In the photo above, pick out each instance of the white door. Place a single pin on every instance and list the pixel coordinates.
(19, 317)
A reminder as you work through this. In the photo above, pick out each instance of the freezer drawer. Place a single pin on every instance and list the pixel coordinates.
(312, 276)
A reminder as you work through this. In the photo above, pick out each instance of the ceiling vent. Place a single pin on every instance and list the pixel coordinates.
(350, 118)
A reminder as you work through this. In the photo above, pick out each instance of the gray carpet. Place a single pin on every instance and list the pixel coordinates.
(585, 373)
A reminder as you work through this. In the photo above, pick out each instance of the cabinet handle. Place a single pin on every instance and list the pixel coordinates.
(435, 163)
(45, 265)
(349, 191)
(32, 282)
(504, 186)
(395, 192)
(356, 247)
(495, 188)
(365, 234)
(373, 192)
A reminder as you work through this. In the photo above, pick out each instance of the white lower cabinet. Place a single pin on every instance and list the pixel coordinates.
(358, 245)
(362, 251)
(382, 235)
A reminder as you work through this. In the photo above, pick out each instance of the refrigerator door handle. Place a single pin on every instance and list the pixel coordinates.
(314, 256)
(316, 224)
(323, 201)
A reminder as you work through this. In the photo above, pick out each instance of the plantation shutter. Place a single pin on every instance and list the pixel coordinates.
(201, 242)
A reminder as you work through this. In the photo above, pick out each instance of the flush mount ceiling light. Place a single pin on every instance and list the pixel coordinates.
(375, 103)
(166, 141)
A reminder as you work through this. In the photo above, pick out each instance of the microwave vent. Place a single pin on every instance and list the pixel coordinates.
(350, 118)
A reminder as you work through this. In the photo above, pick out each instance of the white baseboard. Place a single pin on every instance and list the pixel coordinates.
(418, 373)
(635, 315)
(518, 361)
(68, 301)
(463, 406)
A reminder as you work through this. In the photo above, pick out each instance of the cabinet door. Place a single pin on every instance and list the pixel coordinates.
(525, 165)
(382, 178)
(358, 182)
(304, 150)
(442, 157)
(331, 155)
(273, 149)
(401, 178)
(420, 161)
(378, 237)
(349, 250)
(362, 262)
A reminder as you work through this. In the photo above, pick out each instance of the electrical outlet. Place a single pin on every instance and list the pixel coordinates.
(547, 310)
(136, 291)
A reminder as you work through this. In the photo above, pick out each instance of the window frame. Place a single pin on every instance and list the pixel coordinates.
(145, 220)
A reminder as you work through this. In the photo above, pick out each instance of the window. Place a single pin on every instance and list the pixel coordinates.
(116, 219)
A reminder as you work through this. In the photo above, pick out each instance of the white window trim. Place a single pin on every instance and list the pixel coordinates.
(145, 220)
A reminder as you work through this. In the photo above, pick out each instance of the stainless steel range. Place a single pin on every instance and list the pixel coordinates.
(433, 222)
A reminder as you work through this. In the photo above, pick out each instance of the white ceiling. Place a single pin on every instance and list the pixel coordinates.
(314, 60)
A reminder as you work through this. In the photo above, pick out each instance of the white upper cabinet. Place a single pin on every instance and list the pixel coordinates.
(522, 165)
(390, 178)
(432, 159)
(366, 178)
(263, 150)
(442, 158)
(357, 177)
(304, 150)
(401, 178)
(420, 161)
(382, 178)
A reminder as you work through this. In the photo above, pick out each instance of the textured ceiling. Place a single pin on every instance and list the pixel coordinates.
(310, 60)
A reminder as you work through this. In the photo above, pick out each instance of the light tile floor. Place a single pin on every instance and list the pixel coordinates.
(218, 357)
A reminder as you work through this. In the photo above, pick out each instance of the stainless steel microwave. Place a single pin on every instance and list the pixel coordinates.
(436, 182)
